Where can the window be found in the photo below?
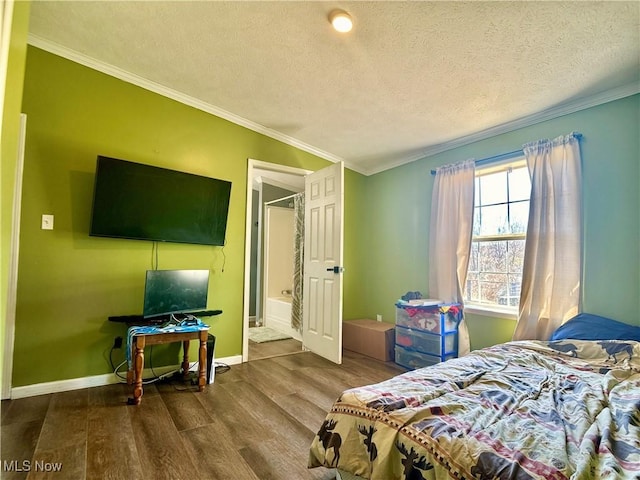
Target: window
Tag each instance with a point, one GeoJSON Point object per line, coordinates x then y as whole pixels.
{"type": "Point", "coordinates": [499, 229]}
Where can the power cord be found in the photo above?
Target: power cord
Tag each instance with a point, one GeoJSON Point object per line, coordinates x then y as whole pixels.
{"type": "Point", "coordinates": [147, 381]}
{"type": "Point", "coordinates": [113, 367]}
{"type": "Point", "coordinates": [151, 363]}
{"type": "Point", "coordinates": [154, 255]}
{"type": "Point", "coordinates": [221, 368]}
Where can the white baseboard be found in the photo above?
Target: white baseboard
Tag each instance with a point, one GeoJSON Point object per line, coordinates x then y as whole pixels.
{"type": "Point", "coordinates": [98, 380]}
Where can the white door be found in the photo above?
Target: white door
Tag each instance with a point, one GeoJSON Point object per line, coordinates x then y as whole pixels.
{"type": "Point", "coordinates": [323, 242]}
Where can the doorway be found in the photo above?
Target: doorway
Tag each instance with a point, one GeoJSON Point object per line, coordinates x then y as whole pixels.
{"type": "Point", "coordinates": [268, 198]}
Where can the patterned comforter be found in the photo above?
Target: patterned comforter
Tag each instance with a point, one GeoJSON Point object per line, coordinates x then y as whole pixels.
{"type": "Point", "coordinates": [520, 410]}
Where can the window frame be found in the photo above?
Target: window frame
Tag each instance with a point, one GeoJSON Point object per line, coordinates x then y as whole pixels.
{"type": "Point", "coordinates": [491, 309]}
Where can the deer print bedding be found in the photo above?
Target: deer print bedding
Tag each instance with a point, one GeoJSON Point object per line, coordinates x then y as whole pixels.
{"type": "Point", "coordinates": [521, 410]}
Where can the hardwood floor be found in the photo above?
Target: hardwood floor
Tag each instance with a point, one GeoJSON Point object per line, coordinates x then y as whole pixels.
{"type": "Point", "coordinates": [255, 422]}
{"type": "Point", "coordinates": [258, 351]}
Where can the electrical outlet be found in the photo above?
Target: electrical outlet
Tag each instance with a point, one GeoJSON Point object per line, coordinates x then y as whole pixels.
{"type": "Point", "coordinates": [379, 317]}
{"type": "Point", "coordinates": [47, 222]}
{"type": "Point", "coordinates": [117, 343]}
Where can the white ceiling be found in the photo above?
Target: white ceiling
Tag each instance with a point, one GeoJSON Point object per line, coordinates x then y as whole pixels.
{"type": "Point", "coordinates": [411, 79]}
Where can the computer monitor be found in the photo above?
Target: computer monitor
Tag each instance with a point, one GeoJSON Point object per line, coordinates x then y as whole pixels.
{"type": "Point", "coordinates": [175, 291]}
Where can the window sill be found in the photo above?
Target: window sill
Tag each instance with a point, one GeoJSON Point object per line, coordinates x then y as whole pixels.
{"type": "Point", "coordinates": [491, 311]}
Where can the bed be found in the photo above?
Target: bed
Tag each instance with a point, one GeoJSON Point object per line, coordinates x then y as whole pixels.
{"type": "Point", "coordinates": [561, 409]}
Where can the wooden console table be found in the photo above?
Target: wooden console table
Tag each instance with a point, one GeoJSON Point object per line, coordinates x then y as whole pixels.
{"type": "Point", "coordinates": [140, 340]}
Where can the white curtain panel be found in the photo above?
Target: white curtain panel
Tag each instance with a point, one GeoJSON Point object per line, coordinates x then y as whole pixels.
{"type": "Point", "coordinates": [551, 274]}
{"type": "Point", "coordinates": [450, 233]}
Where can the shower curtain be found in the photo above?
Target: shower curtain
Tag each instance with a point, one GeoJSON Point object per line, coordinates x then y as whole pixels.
{"type": "Point", "coordinates": [298, 262]}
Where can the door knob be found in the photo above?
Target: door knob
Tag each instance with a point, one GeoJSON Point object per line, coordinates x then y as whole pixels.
{"type": "Point", "coordinates": [336, 269]}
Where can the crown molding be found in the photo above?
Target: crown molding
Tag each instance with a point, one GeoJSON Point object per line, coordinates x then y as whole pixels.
{"type": "Point", "coordinates": [547, 114]}
{"type": "Point", "coordinates": [544, 115]}
{"type": "Point", "coordinates": [154, 87]}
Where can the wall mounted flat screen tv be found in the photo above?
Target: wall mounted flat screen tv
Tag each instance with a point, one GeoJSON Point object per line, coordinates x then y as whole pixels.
{"type": "Point", "coordinates": [143, 202]}
{"type": "Point", "coordinates": [175, 291]}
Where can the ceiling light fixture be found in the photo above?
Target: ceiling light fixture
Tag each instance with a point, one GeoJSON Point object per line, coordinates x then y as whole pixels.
{"type": "Point", "coordinates": [341, 21]}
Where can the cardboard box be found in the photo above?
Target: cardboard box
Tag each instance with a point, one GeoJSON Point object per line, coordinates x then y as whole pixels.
{"type": "Point", "coordinates": [370, 338]}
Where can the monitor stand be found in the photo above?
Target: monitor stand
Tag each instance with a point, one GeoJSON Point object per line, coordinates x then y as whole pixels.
{"type": "Point", "coordinates": [141, 320]}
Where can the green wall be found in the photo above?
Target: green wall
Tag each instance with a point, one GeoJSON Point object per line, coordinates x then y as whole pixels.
{"type": "Point", "coordinates": [69, 283]}
{"type": "Point", "coordinates": [9, 146]}
{"type": "Point", "coordinates": [355, 246]}
{"type": "Point", "coordinates": [398, 201]}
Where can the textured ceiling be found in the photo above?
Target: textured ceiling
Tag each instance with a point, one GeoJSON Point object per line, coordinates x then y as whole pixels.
{"type": "Point", "coordinates": [410, 78]}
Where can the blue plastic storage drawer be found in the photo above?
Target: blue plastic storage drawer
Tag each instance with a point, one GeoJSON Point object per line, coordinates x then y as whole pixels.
{"type": "Point", "coordinates": [411, 359]}
{"type": "Point", "coordinates": [426, 342]}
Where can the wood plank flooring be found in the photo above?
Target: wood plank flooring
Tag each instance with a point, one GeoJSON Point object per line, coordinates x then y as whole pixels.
{"type": "Point", "coordinates": [255, 422]}
{"type": "Point", "coordinates": [258, 351]}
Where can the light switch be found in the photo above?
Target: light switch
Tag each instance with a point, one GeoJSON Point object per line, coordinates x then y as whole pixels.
{"type": "Point", "coordinates": [47, 222]}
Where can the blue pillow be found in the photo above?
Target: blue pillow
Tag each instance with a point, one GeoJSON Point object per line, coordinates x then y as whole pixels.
{"type": "Point", "coordinates": [586, 326]}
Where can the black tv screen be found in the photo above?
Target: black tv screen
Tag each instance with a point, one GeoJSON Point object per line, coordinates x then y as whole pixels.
{"type": "Point", "coordinates": [143, 202]}
{"type": "Point", "coordinates": [175, 291]}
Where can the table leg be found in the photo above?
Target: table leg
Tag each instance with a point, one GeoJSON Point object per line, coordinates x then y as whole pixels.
{"type": "Point", "coordinates": [139, 342]}
{"type": "Point", "coordinates": [202, 360]}
{"type": "Point", "coordinates": [185, 359]}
